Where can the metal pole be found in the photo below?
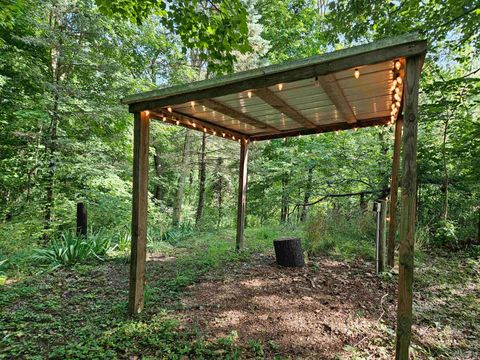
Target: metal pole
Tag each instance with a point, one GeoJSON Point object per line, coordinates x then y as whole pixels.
{"type": "Point", "coordinates": [376, 209]}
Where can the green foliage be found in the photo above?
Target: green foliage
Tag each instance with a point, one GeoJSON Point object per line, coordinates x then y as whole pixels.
{"type": "Point", "coordinates": [446, 233]}
{"type": "Point", "coordinates": [71, 249]}
{"type": "Point", "coordinates": [176, 234]}
{"type": "Point", "coordinates": [347, 235]}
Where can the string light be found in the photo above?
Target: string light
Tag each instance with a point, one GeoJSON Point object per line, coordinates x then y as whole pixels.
{"type": "Point", "coordinates": [192, 103]}
{"type": "Point", "coordinates": [249, 94]}
{"type": "Point", "coordinates": [178, 122]}
{"type": "Point", "coordinates": [214, 132]}
{"type": "Point", "coordinates": [147, 113]}
{"type": "Point", "coordinates": [254, 142]}
{"type": "Point", "coordinates": [233, 137]}
{"type": "Point", "coordinates": [336, 132]}
{"type": "Point", "coordinates": [223, 134]}
{"type": "Point", "coordinates": [164, 119]}
{"type": "Point", "coordinates": [280, 87]}
{"type": "Point", "coordinates": [397, 90]}
{"type": "Point", "coordinates": [399, 80]}
{"type": "Point", "coordinates": [398, 104]}
{"type": "Point", "coordinates": [356, 73]}
{"type": "Point", "coordinates": [246, 140]}
{"type": "Point", "coordinates": [194, 125]}
{"type": "Point", "coordinates": [204, 130]}
{"type": "Point", "coordinates": [169, 109]}
{"type": "Point", "coordinates": [397, 97]}
{"type": "Point", "coordinates": [398, 65]}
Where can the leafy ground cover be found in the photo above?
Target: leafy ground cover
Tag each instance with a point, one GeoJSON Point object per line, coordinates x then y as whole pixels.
{"type": "Point", "coordinates": [203, 300]}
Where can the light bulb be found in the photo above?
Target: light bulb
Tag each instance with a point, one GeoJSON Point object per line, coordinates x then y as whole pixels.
{"type": "Point", "coordinates": [355, 129]}
{"type": "Point", "coordinates": [194, 125]}
{"type": "Point", "coordinates": [214, 132]}
{"type": "Point", "coordinates": [249, 94]}
{"type": "Point", "coordinates": [147, 112]}
{"type": "Point", "coordinates": [204, 130]}
{"type": "Point", "coordinates": [398, 65]}
{"type": "Point", "coordinates": [397, 97]}
{"type": "Point", "coordinates": [399, 80]}
{"type": "Point", "coordinates": [356, 73]}
{"type": "Point", "coordinates": [164, 119]}
{"type": "Point", "coordinates": [169, 109]}
{"type": "Point", "coordinates": [398, 104]}
{"type": "Point", "coordinates": [178, 122]}
{"type": "Point", "coordinates": [336, 132]}
{"type": "Point", "coordinates": [393, 106]}
{"type": "Point", "coordinates": [192, 103]}
{"type": "Point", "coordinates": [233, 137]}
{"type": "Point", "coordinates": [223, 134]}
{"type": "Point", "coordinates": [280, 87]}
{"type": "Point", "coordinates": [397, 90]}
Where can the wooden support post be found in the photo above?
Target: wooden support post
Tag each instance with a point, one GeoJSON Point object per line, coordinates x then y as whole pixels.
{"type": "Point", "coordinates": [408, 207]}
{"type": "Point", "coordinates": [394, 193]}
{"type": "Point", "coordinates": [242, 193]}
{"type": "Point", "coordinates": [81, 220]}
{"type": "Point", "coordinates": [141, 137]}
{"type": "Point", "coordinates": [382, 236]}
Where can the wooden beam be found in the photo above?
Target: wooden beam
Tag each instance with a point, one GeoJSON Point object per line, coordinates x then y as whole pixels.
{"type": "Point", "coordinates": [141, 136]}
{"type": "Point", "coordinates": [324, 128]}
{"type": "Point", "coordinates": [394, 193]}
{"type": "Point", "coordinates": [187, 121]}
{"type": "Point", "coordinates": [237, 115]}
{"type": "Point", "coordinates": [335, 93]}
{"type": "Point", "coordinates": [242, 193]}
{"type": "Point", "coordinates": [408, 206]}
{"type": "Point", "coordinates": [367, 54]}
{"type": "Point", "coordinates": [382, 232]}
{"type": "Point", "coordinates": [281, 105]}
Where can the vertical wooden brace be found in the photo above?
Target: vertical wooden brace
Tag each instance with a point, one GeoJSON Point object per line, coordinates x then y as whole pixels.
{"type": "Point", "coordinates": [242, 193]}
{"type": "Point", "coordinates": [408, 208]}
{"type": "Point", "coordinates": [141, 137]}
{"type": "Point", "coordinates": [382, 232]}
{"type": "Point", "coordinates": [394, 193]}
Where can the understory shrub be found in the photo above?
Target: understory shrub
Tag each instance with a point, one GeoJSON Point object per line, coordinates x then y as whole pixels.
{"type": "Point", "coordinates": [178, 233]}
{"type": "Point", "coordinates": [70, 249]}
{"type": "Point", "coordinates": [347, 234]}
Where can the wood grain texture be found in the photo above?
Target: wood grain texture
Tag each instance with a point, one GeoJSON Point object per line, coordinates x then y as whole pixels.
{"type": "Point", "coordinates": [242, 194]}
{"type": "Point", "coordinates": [138, 255]}
{"type": "Point", "coordinates": [281, 105]}
{"type": "Point", "coordinates": [334, 92]}
{"type": "Point", "coordinates": [408, 206]}
{"type": "Point", "coordinates": [394, 193]}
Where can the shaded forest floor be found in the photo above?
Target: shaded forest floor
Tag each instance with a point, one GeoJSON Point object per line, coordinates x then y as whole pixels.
{"type": "Point", "coordinates": [205, 301]}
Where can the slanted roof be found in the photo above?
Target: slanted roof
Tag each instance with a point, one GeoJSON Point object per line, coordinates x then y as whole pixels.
{"type": "Point", "coordinates": [317, 94]}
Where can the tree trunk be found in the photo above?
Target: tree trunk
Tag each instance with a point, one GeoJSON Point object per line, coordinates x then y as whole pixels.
{"type": "Point", "coordinates": [445, 172]}
{"type": "Point", "coordinates": [284, 209]}
{"type": "Point", "coordinates": [288, 252]}
{"type": "Point", "coordinates": [177, 207]}
{"type": "Point", "coordinates": [157, 191]}
{"type": "Point", "coordinates": [202, 175]}
{"type": "Point", "coordinates": [308, 193]}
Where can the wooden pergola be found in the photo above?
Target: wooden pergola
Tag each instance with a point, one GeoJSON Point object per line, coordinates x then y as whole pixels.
{"type": "Point", "coordinates": [368, 85]}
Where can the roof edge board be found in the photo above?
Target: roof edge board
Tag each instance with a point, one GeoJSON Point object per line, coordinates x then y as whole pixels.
{"type": "Point", "coordinates": [371, 53]}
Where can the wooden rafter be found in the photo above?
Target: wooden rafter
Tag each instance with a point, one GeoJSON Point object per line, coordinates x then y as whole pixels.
{"type": "Point", "coordinates": [187, 121]}
{"type": "Point", "coordinates": [237, 115]}
{"type": "Point", "coordinates": [324, 128]}
{"type": "Point", "coordinates": [334, 92]}
{"type": "Point", "coordinates": [281, 105]}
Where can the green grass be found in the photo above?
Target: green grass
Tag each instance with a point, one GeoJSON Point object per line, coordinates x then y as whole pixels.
{"type": "Point", "coordinates": [77, 311]}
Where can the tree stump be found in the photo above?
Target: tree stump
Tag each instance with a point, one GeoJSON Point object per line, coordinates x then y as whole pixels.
{"type": "Point", "coordinates": [289, 252]}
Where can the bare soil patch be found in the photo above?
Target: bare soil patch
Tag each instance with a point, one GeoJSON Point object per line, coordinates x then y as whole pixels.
{"type": "Point", "coordinates": [327, 310]}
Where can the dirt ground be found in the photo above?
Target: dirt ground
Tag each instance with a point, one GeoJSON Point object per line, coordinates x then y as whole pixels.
{"type": "Point", "coordinates": [327, 310]}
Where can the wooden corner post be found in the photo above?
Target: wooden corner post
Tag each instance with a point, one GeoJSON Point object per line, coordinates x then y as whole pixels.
{"type": "Point", "coordinates": [394, 193]}
{"type": "Point", "coordinates": [141, 137]}
{"type": "Point", "coordinates": [408, 207]}
{"type": "Point", "coordinates": [242, 193]}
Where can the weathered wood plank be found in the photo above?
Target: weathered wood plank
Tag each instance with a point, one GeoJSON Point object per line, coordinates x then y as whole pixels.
{"type": "Point", "coordinates": [377, 121]}
{"type": "Point", "coordinates": [281, 105]}
{"type": "Point", "coordinates": [237, 115]}
{"type": "Point", "coordinates": [394, 193]}
{"type": "Point", "coordinates": [382, 236]}
{"type": "Point", "coordinates": [408, 207]}
{"type": "Point", "coordinates": [330, 86]}
{"type": "Point", "coordinates": [242, 193]}
{"type": "Point", "coordinates": [138, 255]}
{"type": "Point", "coordinates": [367, 54]}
